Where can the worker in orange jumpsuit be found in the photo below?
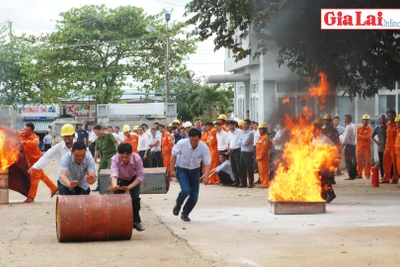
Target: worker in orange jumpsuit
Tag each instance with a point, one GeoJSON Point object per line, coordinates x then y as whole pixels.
{"type": "Point", "coordinates": [167, 142]}
{"type": "Point", "coordinates": [389, 155]}
{"type": "Point", "coordinates": [222, 120]}
{"type": "Point", "coordinates": [30, 145]}
{"type": "Point", "coordinates": [212, 144]}
{"type": "Point", "coordinates": [363, 152]}
{"type": "Point", "coordinates": [262, 155]}
{"type": "Point", "coordinates": [130, 138]}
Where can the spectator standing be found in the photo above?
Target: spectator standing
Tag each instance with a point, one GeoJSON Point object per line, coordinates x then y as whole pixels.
{"type": "Point", "coordinates": [155, 149]}
{"type": "Point", "coordinates": [378, 136]}
{"type": "Point", "coordinates": [349, 144]}
{"type": "Point", "coordinates": [234, 150]}
{"type": "Point", "coordinates": [82, 134]}
{"type": "Point", "coordinates": [247, 155]}
{"type": "Point", "coordinates": [47, 142]}
{"type": "Point", "coordinates": [143, 148]}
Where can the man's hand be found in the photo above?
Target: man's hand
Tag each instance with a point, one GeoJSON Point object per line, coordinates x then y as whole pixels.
{"type": "Point", "coordinates": [124, 188]}
{"type": "Point", "coordinates": [73, 183]}
{"type": "Point", "coordinates": [203, 179]}
{"type": "Point", "coordinates": [114, 187]}
{"type": "Point", "coordinates": [31, 169]}
{"type": "Point", "coordinates": [90, 179]}
{"type": "Point", "coordinates": [145, 156]}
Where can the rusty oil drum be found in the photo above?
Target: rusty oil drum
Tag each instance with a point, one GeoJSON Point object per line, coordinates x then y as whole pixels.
{"type": "Point", "coordinates": [94, 217]}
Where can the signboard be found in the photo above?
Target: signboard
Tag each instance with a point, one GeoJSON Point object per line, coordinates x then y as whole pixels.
{"type": "Point", "coordinates": [27, 110]}
{"type": "Point", "coordinates": [80, 110]}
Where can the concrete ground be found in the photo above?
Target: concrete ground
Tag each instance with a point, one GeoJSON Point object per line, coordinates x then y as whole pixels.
{"type": "Point", "coordinates": [229, 227]}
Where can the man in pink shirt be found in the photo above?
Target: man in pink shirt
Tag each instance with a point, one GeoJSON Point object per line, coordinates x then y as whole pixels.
{"type": "Point", "coordinates": [126, 175]}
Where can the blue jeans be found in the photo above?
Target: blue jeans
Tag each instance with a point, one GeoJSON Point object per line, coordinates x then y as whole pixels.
{"type": "Point", "coordinates": [190, 184]}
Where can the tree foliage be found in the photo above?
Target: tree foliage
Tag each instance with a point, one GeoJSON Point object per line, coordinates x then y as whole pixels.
{"type": "Point", "coordinates": [195, 100]}
{"type": "Point", "coordinates": [94, 51]}
{"type": "Point", "coordinates": [361, 62]}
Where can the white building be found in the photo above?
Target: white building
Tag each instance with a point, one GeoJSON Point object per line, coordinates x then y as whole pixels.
{"type": "Point", "coordinates": [261, 85]}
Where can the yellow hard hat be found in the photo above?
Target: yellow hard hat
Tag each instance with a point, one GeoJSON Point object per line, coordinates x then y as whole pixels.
{"type": "Point", "coordinates": [214, 122]}
{"type": "Point", "coordinates": [221, 117]}
{"type": "Point", "coordinates": [366, 117]}
{"type": "Point", "coordinates": [328, 117]}
{"type": "Point", "coordinates": [240, 122]}
{"type": "Point", "coordinates": [262, 125]}
{"type": "Point", "coordinates": [397, 119]}
{"type": "Point", "coordinates": [67, 129]}
{"type": "Point", "coordinates": [170, 125]}
{"type": "Point", "coordinates": [136, 127]}
{"type": "Point", "coordinates": [126, 128]}
{"type": "Point", "coordinates": [319, 122]}
{"type": "Point", "coordinates": [176, 121]}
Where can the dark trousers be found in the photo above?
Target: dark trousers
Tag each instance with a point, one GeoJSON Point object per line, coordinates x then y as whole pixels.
{"type": "Point", "coordinates": [327, 179]}
{"type": "Point", "coordinates": [146, 162]}
{"type": "Point", "coordinates": [255, 167]}
{"type": "Point", "coordinates": [46, 147]}
{"type": "Point", "coordinates": [189, 181]}
{"type": "Point", "coordinates": [351, 161]}
{"type": "Point", "coordinates": [380, 154]}
{"type": "Point", "coordinates": [225, 178]}
{"type": "Point", "coordinates": [66, 191]}
{"type": "Point", "coordinates": [235, 163]}
{"type": "Point", "coordinates": [92, 147]}
{"type": "Point", "coordinates": [246, 167]}
{"type": "Point", "coordinates": [134, 192]}
{"type": "Point", "coordinates": [156, 159]}
{"type": "Point", "coordinates": [276, 159]}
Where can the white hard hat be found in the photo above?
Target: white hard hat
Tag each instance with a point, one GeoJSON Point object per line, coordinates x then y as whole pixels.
{"type": "Point", "coordinates": [236, 119]}
{"type": "Point", "coordinates": [188, 124]}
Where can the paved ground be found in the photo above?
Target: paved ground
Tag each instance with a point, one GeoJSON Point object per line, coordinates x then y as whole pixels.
{"type": "Point", "coordinates": [230, 227]}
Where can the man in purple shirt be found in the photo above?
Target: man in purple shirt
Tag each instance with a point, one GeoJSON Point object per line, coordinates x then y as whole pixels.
{"type": "Point", "coordinates": [126, 175]}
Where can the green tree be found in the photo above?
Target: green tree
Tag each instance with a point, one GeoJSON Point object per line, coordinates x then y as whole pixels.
{"type": "Point", "coordinates": [362, 62]}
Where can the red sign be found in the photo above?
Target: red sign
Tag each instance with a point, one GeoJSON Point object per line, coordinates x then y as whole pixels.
{"type": "Point", "coordinates": [80, 110]}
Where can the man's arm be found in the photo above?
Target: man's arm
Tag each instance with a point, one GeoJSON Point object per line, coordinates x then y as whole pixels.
{"type": "Point", "coordinates": [173, 162]}
{"type": "Point", "coordinates": [249, 139]}
{"type": "Point", "coordinates": [45, 159]}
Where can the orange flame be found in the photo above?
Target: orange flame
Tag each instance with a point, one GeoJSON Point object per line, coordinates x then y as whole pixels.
{"type": "Point", "coordinates": [286, 100]}
{"type": "Point", "coordinates": [9, 152]}
{"type": "Point", "coordinates": [320, 91]}
{"type": "Point", "coordinates": [298, 175]}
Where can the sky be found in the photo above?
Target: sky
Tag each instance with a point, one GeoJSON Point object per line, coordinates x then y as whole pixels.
{"type": "Point", "coordinates": [38, 16]}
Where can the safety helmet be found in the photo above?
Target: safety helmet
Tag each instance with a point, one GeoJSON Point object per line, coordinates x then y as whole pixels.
{"type": "Point", "coordinates": [262, 125]}
{"type": "Point", "coordinates": [366, 117]}
{"type": "Point", "coordinates": [328, 117]}
{"type": "Point", "coordinates": [170, 125]}
{"type": "Point", "coordinates": [318, 122]}
{"type": "Point", "coordinates": [67, 129]}
{"type": "Point", "coordinates": [236, 119]}
{"type": "Point", "coordinates": [221, 117]}
{"type": "Point", "coordinates": [136, 127]}
{"type": "Point", "coordinates": [240, 123]}
{"type": "Point", "coordinates": [188, 124]}
{"type": "Point", "coordinates": [126, 128]}
{"type": "Point", "coordinates": [397, 119]}
{"type": "Point", "coordinates": [176, 121]}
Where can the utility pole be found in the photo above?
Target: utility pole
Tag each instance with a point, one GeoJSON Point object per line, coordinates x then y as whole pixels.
{"type": "Point", "coordinates": [167, 18]}
{"type": "Point", "coordinates": [10, 35]}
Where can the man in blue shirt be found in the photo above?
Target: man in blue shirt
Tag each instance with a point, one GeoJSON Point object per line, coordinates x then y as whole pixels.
{"type": "Point", "coordinates": [82, 134]}
{"type": "Point", "coordinates": [246, 142]}
{"type": "Point", "coordinates": [78, 171]}
{"type": "Point", "coordinates": [187, 156]}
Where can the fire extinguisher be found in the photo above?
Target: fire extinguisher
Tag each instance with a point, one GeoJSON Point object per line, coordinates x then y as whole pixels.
{"type": "Point", "coordinates": [375, 176]}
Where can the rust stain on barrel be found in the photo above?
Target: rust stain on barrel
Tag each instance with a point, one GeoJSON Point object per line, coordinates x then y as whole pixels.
{"type": "Point", "coordinates": [94, 217]}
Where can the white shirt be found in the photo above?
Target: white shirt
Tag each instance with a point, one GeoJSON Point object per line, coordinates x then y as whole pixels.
{"type": "Point", "coordinates": [143, 143]}
{"type": "Point", "coordinates": [324, 140]}
{"type": "Point", "coordinates": [256, 136]}
{"type": "Point", "coordinates": [222, 140]}
{"type": "Point", "coordinates": [226, 167]}
{"type": "Point", "coordinates": [54, 153]}
{"type": "Point", "coordinates": [233, 138]}
{"type": "Point", "coordinates": [152, 141]}
{"type": "Point", "coordinates": [189, 158]}
{"type": "Point", "coordinates": [281, 139]}
{"type": "Point", "coordinates": [349, 136]}
{"type": "Point", "coordinates": [121, 135]}
{"type": "Point", "coordinates": [148, 133]}
{"type": "Point", "coordinates": [118, 137]}
{"type": "Point", "coordinates": [92, 137]}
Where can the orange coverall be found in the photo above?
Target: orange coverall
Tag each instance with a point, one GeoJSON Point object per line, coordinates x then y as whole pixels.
{"type": "Point", "coordinates": [389, 155]}
{"type": "Point", "coordinates": [363, 152]}
{"type": "Point", "coordinates": [167, 142]}
{"type": "Point", "coordinates": [133, 139]}
{"type": "Point", "coordinates": [213, 146]}
{"type": "Point", "coordinates": [262, 157]}
{"type": "Point", "coordinates": [33, 154]}
{"type": "Point", "coordinates": [223, 127]}
{"type": "Point", "coordinates": [397, 149]}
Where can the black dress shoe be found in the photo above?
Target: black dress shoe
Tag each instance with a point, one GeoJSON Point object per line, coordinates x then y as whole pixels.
{"type": "Point", "coordinates": [241, 186]}
{"type": "Point", "coordinates": [234, 185]}
{"type": "Point", "coordinates": [258, 182]}
{"type": "Point", "coordinates": [176, 210]}
{"type": "Point", "coordinates": [138, 226]}
{"type": "Point", "coordinates": [185, 218]}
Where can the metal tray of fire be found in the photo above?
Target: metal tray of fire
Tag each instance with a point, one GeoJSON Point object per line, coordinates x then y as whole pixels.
{"type": "Point", "coordinates": [293, 207]}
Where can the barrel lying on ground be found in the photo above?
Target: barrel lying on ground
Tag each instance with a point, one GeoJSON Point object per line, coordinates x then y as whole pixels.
{"type": "Point", "coordinates": [94, 217]}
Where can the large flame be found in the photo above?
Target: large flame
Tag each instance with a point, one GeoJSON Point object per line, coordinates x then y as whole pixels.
{"type": "Point", "coordinates": [9, 151]}
{"type": "Point", "coordinates": [298, 176]}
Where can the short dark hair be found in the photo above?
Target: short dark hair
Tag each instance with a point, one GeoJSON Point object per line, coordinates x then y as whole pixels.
{"type": "Point", "coordinates": [208, 123]}
{"type": "Point", "coordinates": [161, 125]}
{"type": "Point", "coordinates": [144, 125]}
{"type": "Point", "coordinates": [98, 127]}
{"type": "Point", "coordinates": [78, 145]}
{"type": "Point", "coordinates": [30, 125]}
{"type": "Point", "coordinates": [247, 121]}
{"type": "Point", "coordinates": [156, 123]}
{"type": "Point", "coordinates": [223, 154]}
{"type": "Point", "coordinates": [194, 132]}
{"type": "Point", "coordinates": [124, 148]}
{"type": "Point", "coordinates": [217, 123]}
{"type": "Point", "coordinates": [336, 117]}
{"type": "Point", "coordinates": [230, 122]}
{"type": "Point", "coordinates": [174, 128]}
{"type": "Point", "coordinates": [116, 127]}
{"type": "Point", "coordinates": [391, 111]}
{"type": "Point", "coordinates": [79, 124]}
{"type": "Point", "coordinates": [349, 117]}
{"type": "Point", "coordinates": [153, 129]}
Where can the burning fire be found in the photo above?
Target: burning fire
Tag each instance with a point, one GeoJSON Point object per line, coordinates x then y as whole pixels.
{"type": "Point", "coordinates": [297, 177]}
{"type": "Point", "coordinates": [286, 100]}
{"type": "Point", "coordinates": [9, 152]}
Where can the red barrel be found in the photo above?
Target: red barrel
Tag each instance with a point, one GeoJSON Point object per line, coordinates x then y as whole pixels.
{"type": "Point", "coordinates": [375, 176]}
{"type": "Point", "coordinates": [94, 217]}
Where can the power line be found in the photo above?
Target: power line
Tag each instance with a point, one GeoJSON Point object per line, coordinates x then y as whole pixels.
{"type": "Point", "coordinates": [165, 2]}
